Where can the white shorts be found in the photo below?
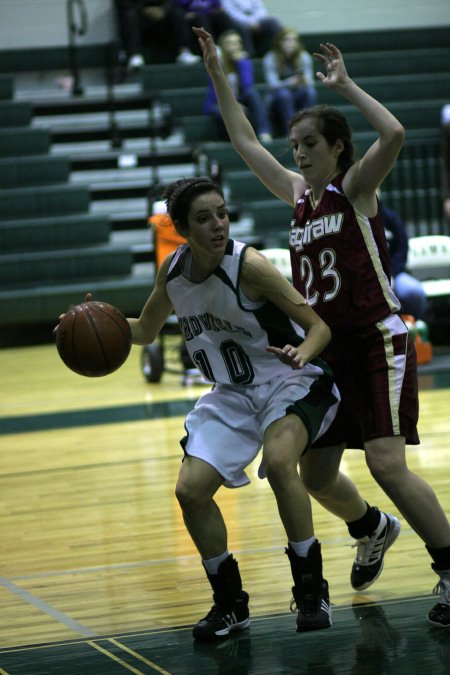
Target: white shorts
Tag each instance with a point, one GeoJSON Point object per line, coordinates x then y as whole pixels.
{"type": "Point", "coordinates": [226, 428]}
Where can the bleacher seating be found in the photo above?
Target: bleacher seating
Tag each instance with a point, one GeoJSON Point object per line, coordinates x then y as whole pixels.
{"type": "Point", "coordinates": [52, 248]}
{"type": "Point", "coordinates": [54, 208]}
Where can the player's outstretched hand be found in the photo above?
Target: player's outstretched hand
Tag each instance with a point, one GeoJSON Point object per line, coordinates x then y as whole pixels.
{"type": "Point", "coordinates": [289, 355]}
{"type": "Point", "coordinates": [208, 47]}
{"type": "Point", "coordinates": [87, 298]}
{"type": "Point", "coordinates": [336, 73]}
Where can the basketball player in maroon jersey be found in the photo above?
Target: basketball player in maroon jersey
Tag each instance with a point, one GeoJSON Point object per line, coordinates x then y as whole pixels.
{"type": "Point", "coordinates": [340, 264]}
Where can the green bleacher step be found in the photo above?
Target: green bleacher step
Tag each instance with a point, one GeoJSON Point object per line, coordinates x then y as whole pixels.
{"type": "Point", "coordinates": [189, 101]}
{"type": "Point", "coordinates": [412, 114]}
{"type": "Point", "coordinates": [229, 160]}
{"type": "Point", "coordinates": [172, 76]}
{"type": "Point", "coordinates": [374, 41]}
{"type": "Point", "coordinates": [34, 170]}
{"type": "Point", "coordinates": [6, 87]}
{"type": "Point", "coordinates": [17, 141]}
{"type": "Point", "coordinates": [56, 232]}
{"type": "Point", "coordinates": [199, 128]}
{"type": "Point", "coordinates": [48, 267]}
{"type": "Point", "coordinates": [270, 215]}
{"type": "Point", "coordinates": [185, 101]}
{"type": "Point", "coordinates": [420, 87]}
{"type": "Point", "coordinates": [43, 304]}
{"type": "Point", "coordinates": [398, 62]}
{"type": "Point", "coordinates": [245, 187]}
{"type": "Point", "coordinates": [15, 113]}
{"type": "Point", "coordinates": [33, 202]}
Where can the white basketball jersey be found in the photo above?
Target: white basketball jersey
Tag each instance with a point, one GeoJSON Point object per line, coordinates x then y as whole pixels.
{"type": "Point", "coordinates": [226, 334]}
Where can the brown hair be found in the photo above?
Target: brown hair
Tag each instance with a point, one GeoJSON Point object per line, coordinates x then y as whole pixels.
{"type": "Point", "coordinates": [333, 126]}
{"type": "Point", "coordinates": [180, 195]}
{"type": "Point", "coordinates": [280, 56]}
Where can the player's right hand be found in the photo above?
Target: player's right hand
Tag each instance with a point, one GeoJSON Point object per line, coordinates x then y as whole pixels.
{"type": "Point", "coordinates": [87, 298]}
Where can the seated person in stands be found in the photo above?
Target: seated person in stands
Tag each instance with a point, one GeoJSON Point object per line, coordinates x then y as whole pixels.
{"type": "Point", "coordinates": [408, 290]}
{"type": "Point", "coordinates": [288, 72]}
{"type": "Point", "coordinates": [238, 68]}
{"type": "Point", "coordinates": [159, 23]}
{"type": "Point", "coordinates": [254, 23]}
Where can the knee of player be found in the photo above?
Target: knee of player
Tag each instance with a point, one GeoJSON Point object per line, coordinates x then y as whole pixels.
{"type": "Point", "coordinates": [188, 496]}
{"type": "Point", "coordinates": [317, 484]}
{"type": "Point", "coordinates": [386, 461]}
{"type": "Point", "coordinates": [280, 468]}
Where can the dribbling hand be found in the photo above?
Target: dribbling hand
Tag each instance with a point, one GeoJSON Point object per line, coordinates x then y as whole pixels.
{"type": "Point", "coordinates": [87, 298]}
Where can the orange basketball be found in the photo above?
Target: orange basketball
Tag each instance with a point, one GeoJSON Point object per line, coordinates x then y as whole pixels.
{"type": "Point", "coordinates": [93, 339]}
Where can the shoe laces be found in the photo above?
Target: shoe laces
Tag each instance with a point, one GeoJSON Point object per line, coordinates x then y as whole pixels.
{"type": "Point", "coordinates": [369, 549]}
{"type": "Point", "coordinates": [442, 589]}
{"type": "Point", "coordinates": [307, 605]}
{"type": "Point", "coordinates": [214, 613]}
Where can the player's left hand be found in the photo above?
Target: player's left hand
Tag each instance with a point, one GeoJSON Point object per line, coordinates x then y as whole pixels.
{"type": "Point", "coordinates": [289, 355]}
{"type": "Point", "coordinates": [333, 61]}
{"type": "Point", "coordinates": [208, 47]}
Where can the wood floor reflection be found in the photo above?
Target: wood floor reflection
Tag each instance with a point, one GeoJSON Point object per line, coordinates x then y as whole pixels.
{"type": "Point", "coordinates": [92, 540]}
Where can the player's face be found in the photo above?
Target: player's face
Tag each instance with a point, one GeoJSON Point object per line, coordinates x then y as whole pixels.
{"type": "Point", "coordinates": [209, 225]}
{"type": "Point", "coordinates": [317, 161]}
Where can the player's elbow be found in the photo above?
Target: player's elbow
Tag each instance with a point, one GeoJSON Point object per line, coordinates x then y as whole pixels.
{"type": "Point", "coordinates": [322, 333]}
{"type": "Point", "coordinates": [396, 136]}
{"type": "Point", "coordinates": [326, 333]}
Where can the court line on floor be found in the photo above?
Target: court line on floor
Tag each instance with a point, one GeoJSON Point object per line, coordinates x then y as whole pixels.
{"type": "Point", "coordinates": [136, 412]}
{"type": "Point", "coordinates": [47, 609]}
{"type": "Point", "coordinates": [115, 658]}
{"type": "Point", "coordinates": [138, 656]}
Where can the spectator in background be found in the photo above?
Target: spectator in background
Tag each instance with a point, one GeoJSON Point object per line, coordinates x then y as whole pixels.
{"type": "Point", "coordinates": [256, 27]}
{"type": "Point", "coordinates": [207, 13]}
{"type": "Point", "coordinates": [445, 169]}
{"type": "Point", "coordinates": [288, 72]}
{"type": "Point", "coordinates": [159, 22]}
{"type": "Point", "coordinates": [408, 290]}
{"type": "Point", "coordinates": [238, 68]}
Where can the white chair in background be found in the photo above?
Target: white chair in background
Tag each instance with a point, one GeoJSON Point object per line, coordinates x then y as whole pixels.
{"type": "Point", "coordinates": [429, 261]}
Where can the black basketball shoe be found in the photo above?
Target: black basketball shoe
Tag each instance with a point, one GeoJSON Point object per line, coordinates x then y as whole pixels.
{"type": "Point", "coordinates": [369, 559]}
{"type": "Point", "coordinates": [220, 621]}
{"type": "Point", "coordinates": [230, 610]}
{"type": "Point", "coordinates": [439, 615]}
{"type": "Point", "coordinates": [313, 605]}
{"type": "Point", "coordinates": [311, 597]}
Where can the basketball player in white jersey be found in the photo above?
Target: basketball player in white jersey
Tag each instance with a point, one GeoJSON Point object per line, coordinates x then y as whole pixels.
{"type": "Point", "coordinates": [257, 341]}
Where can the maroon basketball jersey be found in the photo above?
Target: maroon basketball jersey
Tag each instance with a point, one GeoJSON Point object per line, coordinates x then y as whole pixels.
{"type": "Point", "coordinates": [340, 260]}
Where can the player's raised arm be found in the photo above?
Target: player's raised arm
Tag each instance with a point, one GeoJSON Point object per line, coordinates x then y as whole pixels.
{"type": "Point", "coordinates": [368, 173]}
{"type": "Point", "coordinates": [284, 183]}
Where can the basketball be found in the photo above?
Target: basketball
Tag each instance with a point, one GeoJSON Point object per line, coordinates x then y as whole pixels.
{"type": "Point", "coordinates": [93, 339]}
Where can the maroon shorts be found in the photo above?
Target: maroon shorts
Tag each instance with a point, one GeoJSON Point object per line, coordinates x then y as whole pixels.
{"type": "Point", "coordinates": [376, 373]}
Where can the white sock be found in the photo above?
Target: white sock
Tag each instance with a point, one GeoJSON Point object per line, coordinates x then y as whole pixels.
{"type": "Point", "coordinates": [212, 564]}
{"type": "Point", "coordinates": [301, 548]}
